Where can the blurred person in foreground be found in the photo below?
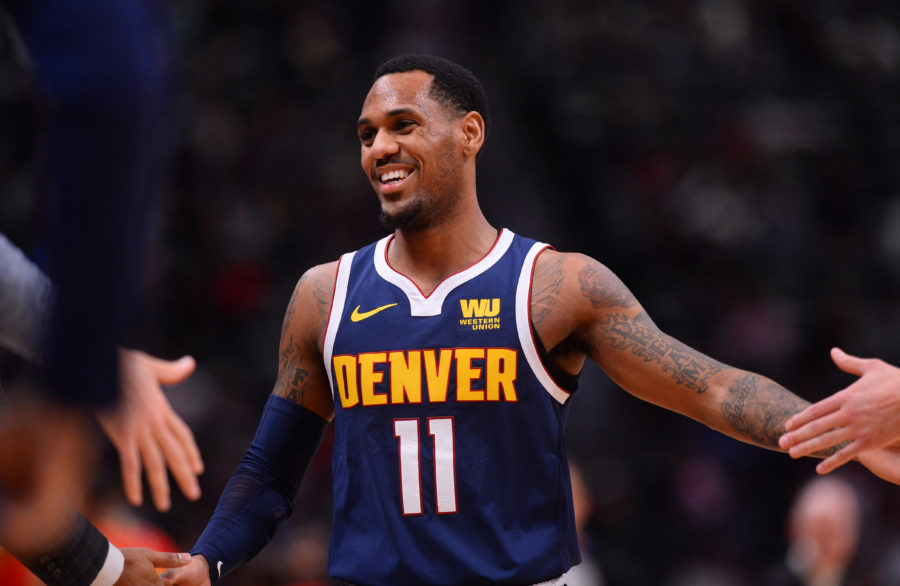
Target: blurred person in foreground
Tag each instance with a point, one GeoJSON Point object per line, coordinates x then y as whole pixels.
{"type": "Point", "coordinates": [864, 416]}
{"type": "Point", "coordinates": [823, 533]}
{"type": "Point", "coordinates": [447, 354]}
{"type": "Point", "coordinates": [145, 430]}
{"type": "Point", "coordinates": [99, 70]}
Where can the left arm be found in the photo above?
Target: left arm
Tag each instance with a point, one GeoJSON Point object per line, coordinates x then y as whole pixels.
{"type": "Point", "coordinates": [603, 320]}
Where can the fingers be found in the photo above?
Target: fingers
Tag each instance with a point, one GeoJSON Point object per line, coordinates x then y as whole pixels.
{"type": "Point", "coordinates": [171, 372]}
{"type": "Point", "coordinates": [820, 443]}
{"type": "Point", "coordinates": [161, 559]}
{"type": "Point", "coordinates": [179, 458]}
{"type": "Point", "coordinates": [130, 461]}
{"type": "Point", "coordinates": [848, 363]}
{"type": "Point", "coordinates": [838, 459]}
{"type": "Point", "coordinates": [810, 428]}
{"type": "Point", "coordinates": [814, 411]}
{"type": "Point", "coordinates": [155, 468]}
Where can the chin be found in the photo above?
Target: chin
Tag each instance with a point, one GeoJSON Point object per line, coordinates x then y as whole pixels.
{"type": "Point", "coordinates": [407, 218]}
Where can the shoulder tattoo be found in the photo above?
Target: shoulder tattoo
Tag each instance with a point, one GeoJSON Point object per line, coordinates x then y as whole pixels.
{"type": "Point", "coordinates": [601, 291]}
{"type": "Point", "coordinates": [545, 288]}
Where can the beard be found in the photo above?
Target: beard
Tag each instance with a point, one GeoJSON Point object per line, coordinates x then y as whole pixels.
{"type": "Point", "coordinates": [409, 218]}
{"type": "Point", "coordinates": [422, 212]}
{"type": "Point", "coordinates": [430, 205]}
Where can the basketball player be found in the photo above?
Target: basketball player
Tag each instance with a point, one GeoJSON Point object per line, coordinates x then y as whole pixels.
{"type": "Point", "coordinates": [447, 355]}
{"type": "Point", "coordinates": [862, 417]}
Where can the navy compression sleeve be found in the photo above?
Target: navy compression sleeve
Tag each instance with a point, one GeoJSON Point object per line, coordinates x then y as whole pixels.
{"type": "Point", "coordinates": [260, 495]}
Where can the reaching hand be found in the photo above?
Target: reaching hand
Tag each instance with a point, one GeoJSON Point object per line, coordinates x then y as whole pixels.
{"type": "Point", "coordinates": [144, 428]}
{"type": "Point", "coordinates": [195, 573]}
{"type": "Point", "coordinates": [141, 564]}
{"type": "Point", "coordinates": [866, 414]}
{"type": "Point", "coordinates": [884, 463]}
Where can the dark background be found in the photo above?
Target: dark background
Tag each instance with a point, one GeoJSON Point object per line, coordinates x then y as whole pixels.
{"type": "Point", "coordinates": [735, 162]}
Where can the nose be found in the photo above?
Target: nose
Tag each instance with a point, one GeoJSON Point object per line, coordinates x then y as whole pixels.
{"type": "Point", "coordinates": [383, 145]}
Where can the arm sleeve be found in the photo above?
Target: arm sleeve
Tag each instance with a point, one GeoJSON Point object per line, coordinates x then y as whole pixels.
{"type": "Point", "coordinates": [259, 497]}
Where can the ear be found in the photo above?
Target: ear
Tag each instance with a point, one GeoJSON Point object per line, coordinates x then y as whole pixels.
{"type": "Point", "coordinates": [473, 131]}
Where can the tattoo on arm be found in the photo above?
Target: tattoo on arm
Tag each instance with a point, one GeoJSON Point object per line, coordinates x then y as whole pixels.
{"type": "Point", "coordinates": [546, 287]}
{"type": "Point", "coordinates": [604, 292]}
{"type": "Point", "coordinates": [757, 408]}
{"type": "Point", "coordinates": [291, 372]}
{"type": "Point", "coordinates": [639, 336]}
{"type": "Point", "coordinates": [323, 291]}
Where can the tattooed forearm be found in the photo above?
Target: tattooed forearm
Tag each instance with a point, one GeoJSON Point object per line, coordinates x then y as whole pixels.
{"type": "Point", "coordinates": [639, 336]}
{"type": "Point", "coordinates": [603, 292]}
{"type": "Point", "coordinates": [757, 408]}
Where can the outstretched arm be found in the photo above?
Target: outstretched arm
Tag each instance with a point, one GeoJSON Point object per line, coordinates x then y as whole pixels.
{"type": "Point", "coordinates": [611, 326]}
{"type": "Point", "coordinates": [260, 495]}
{"type": "Point", "coordinates": [864, 416]}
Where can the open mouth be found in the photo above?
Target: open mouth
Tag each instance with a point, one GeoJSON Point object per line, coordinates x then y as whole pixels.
{"type": "Point", "coordinates": [394, 176]}
{"type": "Point", "coordinates": [394, 179]}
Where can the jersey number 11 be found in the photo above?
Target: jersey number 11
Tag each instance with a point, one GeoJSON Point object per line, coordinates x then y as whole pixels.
{"type": "Point", "coordinates": [407, 433]}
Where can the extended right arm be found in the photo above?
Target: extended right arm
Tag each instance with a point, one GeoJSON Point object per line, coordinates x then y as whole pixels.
{"type": "Point", "coordinates": [260, 495]}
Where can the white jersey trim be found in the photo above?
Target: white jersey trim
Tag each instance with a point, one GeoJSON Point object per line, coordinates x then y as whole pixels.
{"type": "Point", "coordinates": [337, 310]}
{"type": "Point", "coordinates": [523, 325]}
{"type": "Point", "coordinates": [421, 305]}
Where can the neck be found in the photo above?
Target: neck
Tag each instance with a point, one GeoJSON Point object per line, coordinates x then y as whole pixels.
{"type": "Point", "coordinates": [430, 255]}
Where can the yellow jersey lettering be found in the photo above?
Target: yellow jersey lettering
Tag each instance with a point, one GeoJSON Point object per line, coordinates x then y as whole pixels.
{"type": "Point", "coordinates": [345, 377]}
{"type": "Point", "coordinates": [406, 376]}
{"type": "Point", "coordinates": [437, 373]}
{"type": "Point", "coordinates": [466, 373]}
{"type": "Point", "coordinates": [482, 374]}
{"type": "Point", "coordinates": [369, 377]}
{"type": "Point", "coordinates": [501, 371]}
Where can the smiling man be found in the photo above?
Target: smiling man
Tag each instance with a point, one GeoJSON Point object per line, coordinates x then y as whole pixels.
{"type": "Point", "coordinates": [449, 461]}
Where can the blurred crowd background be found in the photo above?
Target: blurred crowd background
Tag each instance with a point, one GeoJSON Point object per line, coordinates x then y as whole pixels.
{"type": "Point", "coordinates": [735, 162]}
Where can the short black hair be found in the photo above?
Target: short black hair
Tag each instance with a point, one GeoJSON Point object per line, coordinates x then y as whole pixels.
{"type": "Point", "coordinates": [453, 84]}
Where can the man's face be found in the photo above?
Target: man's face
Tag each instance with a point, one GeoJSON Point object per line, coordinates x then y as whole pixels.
{"type": "Point", "coordinates": [411, 151]}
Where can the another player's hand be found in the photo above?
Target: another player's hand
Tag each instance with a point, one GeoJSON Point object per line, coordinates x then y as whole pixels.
{"type": "Point", "coordinates": [195, 573]}
{"type": "Point", "coordinates": [145, 429]}
{"type": "Point", "coordinates": [141, 564]}
{"type": "Point", "coordinates": [884, 463]}
{"type": "Point", "coordinates": [866, 414]}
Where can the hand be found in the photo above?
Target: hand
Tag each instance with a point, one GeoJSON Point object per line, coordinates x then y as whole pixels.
{"type": "Point", "coordinates": [884, 463]}
{"type": "Point", "coordinates": [866, 414]}
{"type": "Point", "coordinates": [144, 428]}
{"type": "Point", "coordinates": [195, 573]}
{"type": "Point", "coordinates": [141, 564]}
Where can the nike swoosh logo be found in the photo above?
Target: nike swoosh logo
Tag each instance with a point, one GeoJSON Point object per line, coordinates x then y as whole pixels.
{"type": "Point", "coordinates": [219, 568]}
{"type": "Point", "coordinates": [357, 316]}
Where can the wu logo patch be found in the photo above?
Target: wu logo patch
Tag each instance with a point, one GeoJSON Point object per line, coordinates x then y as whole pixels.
{"type": "Point", "coordinates": [481, 314]}
{"type": "Point", "coordinates": [480, 307]}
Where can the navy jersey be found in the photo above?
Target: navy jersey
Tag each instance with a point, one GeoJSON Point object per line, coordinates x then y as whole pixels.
{"type": "Point", "coordinates": [449, 461]}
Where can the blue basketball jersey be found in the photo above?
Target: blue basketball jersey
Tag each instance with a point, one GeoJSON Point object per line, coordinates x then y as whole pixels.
{"type": "Point", "coordinates": [449, 461]}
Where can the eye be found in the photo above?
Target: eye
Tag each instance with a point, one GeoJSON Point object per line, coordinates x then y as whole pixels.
{"type": "Point", "coordinates": [366, 136]}
{"type": "Point", "coordinates": [405, 124]}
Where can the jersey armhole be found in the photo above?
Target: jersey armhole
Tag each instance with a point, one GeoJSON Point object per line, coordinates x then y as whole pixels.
{"type": "Point", "coordinates": [337, 310]}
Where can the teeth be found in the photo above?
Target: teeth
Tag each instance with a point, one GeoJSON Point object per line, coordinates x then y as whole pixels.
{"type": "Point", "coordinates": [390, 176]}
